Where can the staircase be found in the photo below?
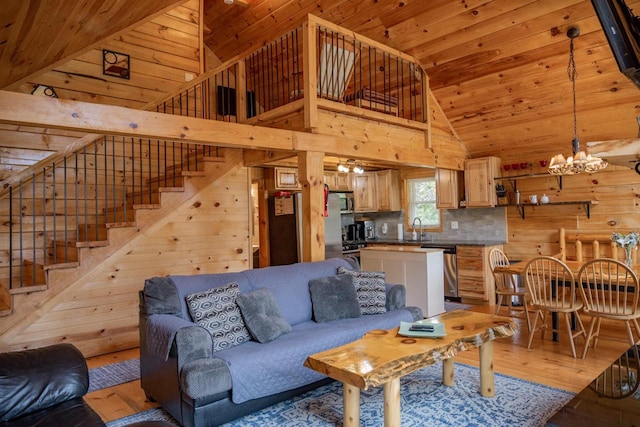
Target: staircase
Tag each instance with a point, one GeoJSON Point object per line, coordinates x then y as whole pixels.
{"type": "Point", "coordinates": [59, 217]}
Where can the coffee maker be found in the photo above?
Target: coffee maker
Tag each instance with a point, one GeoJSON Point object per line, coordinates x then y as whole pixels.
{"type": "Point", "coordinates": [367, 230]}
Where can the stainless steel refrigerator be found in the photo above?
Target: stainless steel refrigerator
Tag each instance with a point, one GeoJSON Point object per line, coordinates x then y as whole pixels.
{"type": "Point", "coordinates": [285, 229]}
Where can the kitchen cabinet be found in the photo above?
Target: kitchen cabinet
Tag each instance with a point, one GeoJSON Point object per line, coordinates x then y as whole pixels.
{"type": "Point", "coordinates": [475, 280]}
{"type": "Point", "coordinates": [420, 270]}
{"type": "Point", "coordinates": [479, 181]}
{"type": "Point", "coordinates": [337, 181]}
{"type": "Point", "coordinates": [388, 190]}
{"type": "Point", "coordinates": [376, 191]}
{"type": "Point", "coordinates": [364, 192]}
{"type": "Point", "coordinates": [449, 188]}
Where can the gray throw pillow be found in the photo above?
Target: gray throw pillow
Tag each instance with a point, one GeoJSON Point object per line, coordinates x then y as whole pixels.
{"type": "Point", "coordinates": [262, 315]}
{"type": "Point", "coordinates": [161, 297]}
{"type": "Point", "coordinates": [370, 288]}
{"type": "Point", "coordinates": [216, 311]}
{"type": "Point", "coordinates": [333, 298]}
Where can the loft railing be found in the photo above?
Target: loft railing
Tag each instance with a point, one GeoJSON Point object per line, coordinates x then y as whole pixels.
{"type": "Point", "coordinates": [346, 68]}
{"type": "Point", "coordinates": [70, 203]}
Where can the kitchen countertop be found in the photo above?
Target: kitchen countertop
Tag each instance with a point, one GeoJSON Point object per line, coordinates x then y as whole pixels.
{"type": "Point", "coordinates": [435, 242]}
{"type": "Point", "coordinates": [400, 248]}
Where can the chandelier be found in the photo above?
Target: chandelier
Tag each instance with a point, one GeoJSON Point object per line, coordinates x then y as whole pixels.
{"type": "Point", "coordinates": [350, 166]}
{"type": "Point", "coordinates": [580, 161]}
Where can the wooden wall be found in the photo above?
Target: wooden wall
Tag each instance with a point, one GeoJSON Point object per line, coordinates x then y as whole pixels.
{"type": "Point", "coordinates": [617, 190]}
{"type": "Point", "coordinates": [207, 233]}
{"type": "Point", "coordinates": [161, 52]}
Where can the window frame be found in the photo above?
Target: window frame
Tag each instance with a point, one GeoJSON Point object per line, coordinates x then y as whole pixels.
{"type": "Point", "coordinates": [409, 202]}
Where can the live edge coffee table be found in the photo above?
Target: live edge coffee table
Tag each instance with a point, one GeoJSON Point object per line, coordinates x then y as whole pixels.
{"type": "Point", "coordinates": [383, 357]}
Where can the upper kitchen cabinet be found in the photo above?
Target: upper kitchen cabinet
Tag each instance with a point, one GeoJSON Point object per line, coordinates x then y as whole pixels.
{"type": "Point", "coordinates": [388, 190]}
{"type": "Point", "coordinates": [449, 188]}
{"type": "Point", "coordinates": [376, 191]}
{"type": "Point", "coordinates": [479, 181]}
{"type": "Point", "coordinates": [364, 192]}
{"type": "Point", "coordinates": [337, 181]}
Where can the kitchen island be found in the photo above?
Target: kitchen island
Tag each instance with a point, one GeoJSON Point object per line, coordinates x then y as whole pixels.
{"type": "Point", "coordinates": [420, 270]}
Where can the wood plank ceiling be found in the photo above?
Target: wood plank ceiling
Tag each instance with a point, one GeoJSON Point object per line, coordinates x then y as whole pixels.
{"type": "Point", "coordinates": [498, 68]}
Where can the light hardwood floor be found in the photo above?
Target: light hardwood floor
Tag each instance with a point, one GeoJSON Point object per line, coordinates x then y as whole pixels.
{"type": "Point", "coordinates": [547, 362]}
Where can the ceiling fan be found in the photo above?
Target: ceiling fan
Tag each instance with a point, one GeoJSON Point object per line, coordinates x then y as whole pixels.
{"type": "Point", "coordinates": [620, 152]}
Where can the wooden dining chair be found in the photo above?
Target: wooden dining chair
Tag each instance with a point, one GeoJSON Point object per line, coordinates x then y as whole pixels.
{"type": "Point", "coordinates": [609, 290]}
{"type": "Point", "coordinates": [506, 285]}
{"type": "Point", "coordinates": [552, 289]}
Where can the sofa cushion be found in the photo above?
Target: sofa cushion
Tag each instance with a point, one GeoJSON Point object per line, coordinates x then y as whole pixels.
{"type": "Point", "coordinates": [161, 297]}
{"type": "Point", "coordinates": [333, 298]}
{"type": "Point", "coordinates": [290, 285]}
{"type": "Point", "coordinates": [216, 311]}
{"type": "Point", "coordinates": [370, 288]}
{"type": "Point", "coordinates": [262, 315]}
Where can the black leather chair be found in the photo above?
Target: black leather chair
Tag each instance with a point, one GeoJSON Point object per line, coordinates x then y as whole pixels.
{"type": "Point", "coordinates": [44, 387]}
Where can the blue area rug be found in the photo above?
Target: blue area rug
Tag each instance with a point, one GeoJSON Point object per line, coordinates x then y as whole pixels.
{"type": "Point", "coordinates": [114, 374]}
{"type": "Point", "coordinates": [450, 306]}
{"type": "Point", "coordinates": [425, 402]}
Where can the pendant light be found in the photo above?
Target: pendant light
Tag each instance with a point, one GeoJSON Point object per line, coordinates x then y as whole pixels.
{"type": "Point", "coordinates": [580, 161]}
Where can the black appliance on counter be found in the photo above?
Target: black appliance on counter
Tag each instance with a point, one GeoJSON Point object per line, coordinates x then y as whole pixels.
{"type": "Point", "coordinates": [355, 232]}
{"type": "Point", "coordinates": [352, 248]}
{"type": "Point", "coordinates": [450, 263]}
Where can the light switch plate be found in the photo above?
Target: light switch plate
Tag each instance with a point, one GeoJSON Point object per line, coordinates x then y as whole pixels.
{"type": "Point", "coordinates": [454, 225]}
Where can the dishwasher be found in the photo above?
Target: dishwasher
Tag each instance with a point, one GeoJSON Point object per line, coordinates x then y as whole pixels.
{"type": "Point", "coordinates": [450, 266]}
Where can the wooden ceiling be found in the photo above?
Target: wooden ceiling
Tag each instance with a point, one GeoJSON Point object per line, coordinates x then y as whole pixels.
{"type": "Point", "coordinates": [497, 68]}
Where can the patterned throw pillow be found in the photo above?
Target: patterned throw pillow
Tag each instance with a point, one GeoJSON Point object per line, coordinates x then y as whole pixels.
{"type": "Point", "coordinates": [371, 290]}
{"type": "Point", "coordinates": [216, 311]}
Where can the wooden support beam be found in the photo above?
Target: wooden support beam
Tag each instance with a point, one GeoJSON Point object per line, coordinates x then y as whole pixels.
{"type": "Point", "coordinates": [27, 110]}
{"type": "Point", "coordinates": [311, 176]}
{"type": "Point", "coordinates": [21, 109]}
{"type": "Point", "coordinates": [309, 37]}
{"type": "Point", "coordinates": [397, 152]}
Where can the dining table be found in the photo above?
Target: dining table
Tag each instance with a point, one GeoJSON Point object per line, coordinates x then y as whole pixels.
{"type": "Point", "coordinates": [518, 268]}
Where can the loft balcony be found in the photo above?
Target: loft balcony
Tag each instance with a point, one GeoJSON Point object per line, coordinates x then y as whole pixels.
{"type": "Point", "coordinates": [319, 78]}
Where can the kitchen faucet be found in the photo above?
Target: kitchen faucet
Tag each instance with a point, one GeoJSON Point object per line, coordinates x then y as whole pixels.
{"type": "Point", "coordinates": [413, 225]}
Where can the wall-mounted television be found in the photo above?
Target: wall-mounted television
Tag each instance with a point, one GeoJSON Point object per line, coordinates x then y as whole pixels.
{"type": "Point", "coordinates": [622, 29]}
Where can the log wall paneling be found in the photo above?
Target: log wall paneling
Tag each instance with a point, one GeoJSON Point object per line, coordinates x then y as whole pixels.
{"type": "Point", "coordinates": [209, 233]}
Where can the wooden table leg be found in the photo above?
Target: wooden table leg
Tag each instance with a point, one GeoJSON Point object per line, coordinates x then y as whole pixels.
{"type": "Point", "coordinates": [486, 370]}
{"type": "Point", "coordinates": [447, 371]}
{"type": "Point", "coordinates": [351, 403]}
{"type": "Point", "coordinates": [392, 403]}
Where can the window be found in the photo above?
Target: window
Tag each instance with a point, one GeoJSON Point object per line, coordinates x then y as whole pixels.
{"type": "Point", "coordinates": [422, 201]}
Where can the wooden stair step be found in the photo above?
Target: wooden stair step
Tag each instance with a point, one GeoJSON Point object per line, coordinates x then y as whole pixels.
{"type": "Point", "coordinates": [92, 232]}
{"type": "Point", "coordinates": [28, 277]}
{"type": "Point", "coordinates": [120, 224]}
{"type": "Point", "coordinates": [5, 309]}
{"type": "Point", "coordinates": [5, 300]}
{"type": "Point", "coordinates": [92, 244]}
{"type": "Point", "coordinates": [28, 289]}
{"type": "Point", "coordinates": [171, 189]}
{"type": "Point", "coordinates": [61, 265]}
{"type": "Point", "coordinates": [63, 251]}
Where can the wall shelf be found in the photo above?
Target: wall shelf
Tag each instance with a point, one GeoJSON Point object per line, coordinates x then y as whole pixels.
{"type": "Point", "coordinates": [585, 203]}
{"type": "Point", "coordinates": [513, 180]}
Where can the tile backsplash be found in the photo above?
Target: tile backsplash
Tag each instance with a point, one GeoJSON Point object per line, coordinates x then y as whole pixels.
{"type": "Point", "coordinates": [485, 224]}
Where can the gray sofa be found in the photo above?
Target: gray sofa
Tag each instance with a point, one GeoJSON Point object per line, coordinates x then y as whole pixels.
{"type": "Point", "coordinates": [205, 382]}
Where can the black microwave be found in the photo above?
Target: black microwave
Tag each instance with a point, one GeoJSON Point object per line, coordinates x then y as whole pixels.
{"type": "Point", "coordinates": [346, 202]}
